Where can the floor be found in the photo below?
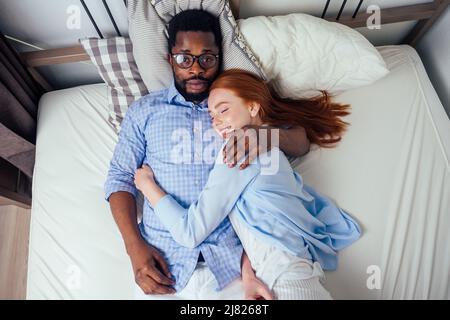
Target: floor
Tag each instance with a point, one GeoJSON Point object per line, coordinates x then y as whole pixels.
{"type": "Point", "coordinates": [14, 235]}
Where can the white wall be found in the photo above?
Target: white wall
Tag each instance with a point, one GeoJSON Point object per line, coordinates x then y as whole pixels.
{"type": "Point", "coordinates": [388, 34]}
{"type": "Point", "coordinates": [251, 8]}
{"type": "Point", "coordinates": [434, 49]}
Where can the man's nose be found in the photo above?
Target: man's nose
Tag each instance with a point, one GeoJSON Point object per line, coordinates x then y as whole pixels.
{"type": "Point", "coordinates": [197, 68]}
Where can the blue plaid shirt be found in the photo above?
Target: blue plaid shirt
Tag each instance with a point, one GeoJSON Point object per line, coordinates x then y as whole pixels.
{"type": "Point", "coordinates": [176, 139]}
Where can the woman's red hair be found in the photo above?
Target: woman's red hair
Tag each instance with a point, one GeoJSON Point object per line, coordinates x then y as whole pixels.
{"type": "Point", "coordinates": [320, 117]}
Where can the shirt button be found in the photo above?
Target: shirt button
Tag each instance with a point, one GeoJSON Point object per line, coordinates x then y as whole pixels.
{"type": "Point", "coordinates": [196, 182]}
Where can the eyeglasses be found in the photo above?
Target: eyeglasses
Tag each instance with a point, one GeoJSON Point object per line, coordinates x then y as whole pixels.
{"type": "Point", "coordinates": [185, 60]}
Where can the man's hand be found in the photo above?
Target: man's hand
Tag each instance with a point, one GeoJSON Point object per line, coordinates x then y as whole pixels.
{"type": "Point", "coordinates": [247, 144]}
{"type": "Point", "coordinates": [255, 289]}
{"type": "Point", "coordinates": [250, 142]}
{"type": "Point", "coordinates": [151, 272]}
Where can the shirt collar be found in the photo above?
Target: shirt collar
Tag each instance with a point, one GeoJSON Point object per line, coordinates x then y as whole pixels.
{"type": "Point", "coordinates": [173, 94]}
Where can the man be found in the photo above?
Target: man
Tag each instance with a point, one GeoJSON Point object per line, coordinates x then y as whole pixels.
{"type": "Point", "coordinates": [160, 265]}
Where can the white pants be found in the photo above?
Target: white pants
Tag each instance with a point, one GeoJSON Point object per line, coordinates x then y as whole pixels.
{"type": "Point", "coordinates": [305, 289]}
{"type": "Point", "coordinates": [289, 277]}
{"type": "Point", "coordinates": [201, 286]}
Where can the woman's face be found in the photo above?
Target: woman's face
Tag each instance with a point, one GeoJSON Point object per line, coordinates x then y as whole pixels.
{"type": "Point", "coordinates": [229, 112]}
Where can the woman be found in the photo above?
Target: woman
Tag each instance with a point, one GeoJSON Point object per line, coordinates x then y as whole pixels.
{"type": "Point", "coordinates": [288, 230]}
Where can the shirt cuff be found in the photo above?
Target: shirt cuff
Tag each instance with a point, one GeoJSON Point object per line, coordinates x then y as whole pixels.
{"type": "Point", "coordinates": [168, 210]}
{"type": "Point", "coordinates": [119, 187]}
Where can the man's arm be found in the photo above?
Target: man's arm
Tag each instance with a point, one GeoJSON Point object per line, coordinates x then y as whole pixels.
{"type": "Point", "coordinates": [123, 208]}
{"type": "Point", "coordinates": [120, 191]}
{"type": "Point", "coordinates": [146, 260]}
{"type": "Point", "coordinates": [294, 142]}
{"type": "Point", "coordinates": [254, 140]}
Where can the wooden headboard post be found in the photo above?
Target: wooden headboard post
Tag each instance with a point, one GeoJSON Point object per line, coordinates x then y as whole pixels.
{"type": "Point", "coordinates": [424, 25]}
{"type": "Point", "coordinates": [235, 6]}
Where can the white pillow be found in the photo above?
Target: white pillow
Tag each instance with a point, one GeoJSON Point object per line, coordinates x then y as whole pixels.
{"type": "Point", "coordinates": [301, 54]}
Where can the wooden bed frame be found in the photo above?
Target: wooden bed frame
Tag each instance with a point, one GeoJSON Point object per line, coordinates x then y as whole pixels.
{"type": "Point", "coordinates": [426, 14]}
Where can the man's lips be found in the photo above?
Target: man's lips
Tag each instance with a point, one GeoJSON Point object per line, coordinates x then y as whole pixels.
{"type": "Point", "coordinates": [197, 84]}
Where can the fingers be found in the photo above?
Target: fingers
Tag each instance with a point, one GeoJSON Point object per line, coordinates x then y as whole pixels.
{"type": "Point", "coordinates": [228, 151]}
{"type": "Point", "coordinates": [241, 152]}
{"type": "Point", "coordinates": [266, 294]}
{"type": "Point", "coordinates": [146, 168]}
{"type": "Point", "coordinates": [163, 265]}
{"type": "Point", "coordinates": [253, 154]}
{"type": "Point", "coordinates": [235, 138]}
{"type": "Point", "coordinates": [243, 144]}
{"type": "Point", "coordinates": [151, 287]}
{"type": "Point", "coordinates": [152, 283]}
{"type": "Point", "coordinates": [160, 278]}
{"type": "Point", "coordinates": [236, 149]}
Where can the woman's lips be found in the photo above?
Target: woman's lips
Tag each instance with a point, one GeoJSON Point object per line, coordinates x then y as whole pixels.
{"type": "Point", "coordinates": [197, 85]}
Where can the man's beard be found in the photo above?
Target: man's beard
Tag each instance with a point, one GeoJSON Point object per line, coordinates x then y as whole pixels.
{"type": "Point", "coordinates": [193, 97]}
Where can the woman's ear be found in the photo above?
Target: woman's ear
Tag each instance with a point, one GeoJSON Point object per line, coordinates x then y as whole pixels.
{"type": "Point", "coordinates": [254, 109]}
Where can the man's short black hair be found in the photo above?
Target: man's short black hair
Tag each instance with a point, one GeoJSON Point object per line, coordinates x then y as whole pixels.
{"type": "Point", "coordinates": [195, 20]}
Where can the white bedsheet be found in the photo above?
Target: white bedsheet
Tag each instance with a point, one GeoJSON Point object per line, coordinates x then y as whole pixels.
{"type": "Point", "coordinates": [391, 172]}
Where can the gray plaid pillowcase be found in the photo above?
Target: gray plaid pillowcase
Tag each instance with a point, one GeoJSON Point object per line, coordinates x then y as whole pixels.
{"type": "Point", "coordinates": [115, 63]}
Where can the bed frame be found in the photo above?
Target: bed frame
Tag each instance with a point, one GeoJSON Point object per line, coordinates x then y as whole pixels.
{"type": "Point", "coordinates": [426, 14]}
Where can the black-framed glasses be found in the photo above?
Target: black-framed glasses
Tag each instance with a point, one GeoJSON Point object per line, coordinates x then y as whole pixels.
{"type": "Point", "coordinates": [186, 60]}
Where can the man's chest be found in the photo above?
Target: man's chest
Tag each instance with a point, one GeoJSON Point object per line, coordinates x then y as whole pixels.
{"type": "Point", "coordinates": [181, 136]}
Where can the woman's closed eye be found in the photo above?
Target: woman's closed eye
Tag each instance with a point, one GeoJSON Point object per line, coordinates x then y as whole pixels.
{"type": "Point", "coordinates": [224, 110]}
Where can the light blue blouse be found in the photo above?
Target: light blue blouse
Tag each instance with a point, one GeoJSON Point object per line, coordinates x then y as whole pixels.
{"type": "Point", "coordinates": [273, 202]}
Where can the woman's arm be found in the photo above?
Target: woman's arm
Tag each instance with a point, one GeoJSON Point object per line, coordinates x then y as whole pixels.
{"type": "Point", "coordinates": [144, 179]}
{"type": "Point", "coordinates": [190, 226]}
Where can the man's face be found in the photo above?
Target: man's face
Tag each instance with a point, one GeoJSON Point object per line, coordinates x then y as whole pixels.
{"type": "Point", "coordinates": [193, 83]}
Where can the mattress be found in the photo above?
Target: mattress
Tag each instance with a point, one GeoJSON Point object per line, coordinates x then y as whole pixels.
{"type": "Point", "coordinates": [391, 173]}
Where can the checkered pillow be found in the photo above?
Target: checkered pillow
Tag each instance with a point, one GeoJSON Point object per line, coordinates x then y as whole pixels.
{"type": "Point", "coordinates": [115, 63]}
{"type": "Point", "coordinates": [148, 21]}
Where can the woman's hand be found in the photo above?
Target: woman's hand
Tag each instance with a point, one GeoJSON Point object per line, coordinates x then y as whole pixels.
{"type": "Point", "coordinates": [255, 289]}
{"type": "Point", "coordinates": [144, 179]}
